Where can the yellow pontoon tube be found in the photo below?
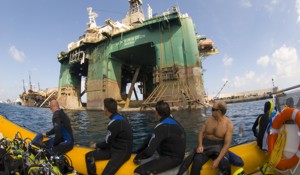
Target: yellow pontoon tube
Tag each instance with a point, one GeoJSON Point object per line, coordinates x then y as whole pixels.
{"type": "Point", "coordinates": [252, 156]}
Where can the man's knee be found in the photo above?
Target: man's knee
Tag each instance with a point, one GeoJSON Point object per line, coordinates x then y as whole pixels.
{"type": "Point", "coordinates": [62, 149]}
{"type": "Point", "coordinates": [199, 161]}
{"type": "Point", "coordinates": [196, 166]}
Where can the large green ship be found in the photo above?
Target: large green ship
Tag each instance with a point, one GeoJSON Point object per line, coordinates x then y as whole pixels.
{"type": "Point", "coordinates": [145, 59]}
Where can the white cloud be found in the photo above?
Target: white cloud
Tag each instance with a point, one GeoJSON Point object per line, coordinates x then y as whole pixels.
{"type": "Point", "coordinates": [263, 61]}
{"type": "Point", "coordinates": [298, 9]}
{"type": "Point", "coordinates": [274, 2]}
{"type": "Point", "coordinates": [240, 81]}
{"type": "Point", "coordinates": [246, 3]}
{"type": "Point", "coordinates": [251, 81]}
{"type": "Point", "coordinates": [286, 61]}
{"type": "Point", "coordinates": [227, 61]}
{"type": "Point", "coordinates": [250, 75]}
{"type": "Point", "coordinates": [16, 54]}
{"type": "Point", "coordinates": [273, 6]}
{"type": "Point", "coordinates": [224, 80]}
{"type": "Point", "coordinates": [284, 66]}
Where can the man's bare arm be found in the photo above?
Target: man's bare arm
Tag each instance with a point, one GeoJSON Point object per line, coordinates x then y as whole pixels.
{"type": "Point", "coordinates": [200, 137]}
{"type": "Point", "coordinates": [227, 140]}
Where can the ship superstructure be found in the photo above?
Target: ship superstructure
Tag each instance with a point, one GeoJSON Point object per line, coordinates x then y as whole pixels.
{"type": "Point", "coordinates": [159, 55]}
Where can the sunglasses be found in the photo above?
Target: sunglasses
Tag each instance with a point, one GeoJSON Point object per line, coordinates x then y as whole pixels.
{"type": "Point", "coordinates": [214, 109]}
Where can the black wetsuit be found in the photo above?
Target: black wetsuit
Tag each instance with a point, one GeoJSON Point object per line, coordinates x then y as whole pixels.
{"type": "Point", "coordinates": [169, 140]}
{"type": "Point", "coordinates": [212, 150]}
{"type": "Point", "coordinates": [262, 121]}
{"type": "Point", "coordinates": [117, 147]}
{"type": "Point", "coordinates": [63, 140]}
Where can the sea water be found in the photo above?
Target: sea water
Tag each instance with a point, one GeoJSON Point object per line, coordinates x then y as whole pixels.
{"type": "Point", "coordinates": [91, 125]}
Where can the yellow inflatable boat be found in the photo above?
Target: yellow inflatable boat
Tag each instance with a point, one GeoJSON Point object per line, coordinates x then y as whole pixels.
{"type": "Point", "coordinates": [252, 156]}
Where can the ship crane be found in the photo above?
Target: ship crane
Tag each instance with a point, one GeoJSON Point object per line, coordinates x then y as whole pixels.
{"type": "Point", "coordinates": [218, 94]}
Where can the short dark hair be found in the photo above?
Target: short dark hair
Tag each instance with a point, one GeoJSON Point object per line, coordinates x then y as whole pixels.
{"type": "Point", "coordinates": [267, 107]}
{"type": "Point", "coordinates": [290, 102]}
{"type": "Point", "coordinates": [163, 109]}
{"type": "Point", "coordinates": [111, 105]}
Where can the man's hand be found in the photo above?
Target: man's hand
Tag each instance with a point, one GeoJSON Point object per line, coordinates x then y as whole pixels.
{"type": "Point", "coordinates": [44, 134]}
{"type": "Point", "coordinates": [92, 144]}
{"type": "Point", "coordinates": [199, 149]}
{"type": "Point", "coordinates": [215, 164]}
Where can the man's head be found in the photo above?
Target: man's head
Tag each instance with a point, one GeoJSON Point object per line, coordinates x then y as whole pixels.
{"type": "Point", "coordinates": [163, 109]}
{"type": "Point", "coordinates": [54, 105]}
{"type": "Point", "coordinates": [289, 102]}
{"type": "Point", "coordinates": [219, 107]}
{"type": "Point", "coordinates": [267, 107]}
{"type": "Point", "coordinates": [110, 106]}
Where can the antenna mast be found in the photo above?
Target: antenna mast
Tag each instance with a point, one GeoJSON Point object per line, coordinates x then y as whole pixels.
{"type": "Point", "coordinates": [24, 86]}
{"type": "Point", "coordinates": [30, 85]}
{"type": "Point", "coordinates": [135, 13]}
{"type": "Point", "coordinates": [92, 16]}
{"type": "Point", "coordinates": [149, 12]}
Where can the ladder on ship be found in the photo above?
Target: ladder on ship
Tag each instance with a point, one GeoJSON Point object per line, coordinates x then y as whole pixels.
{"type": "Point", "coordinates": [176, 93]}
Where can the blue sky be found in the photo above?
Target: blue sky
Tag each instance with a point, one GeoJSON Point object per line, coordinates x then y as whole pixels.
{"type": "Point", "coordinates": [257, 39]}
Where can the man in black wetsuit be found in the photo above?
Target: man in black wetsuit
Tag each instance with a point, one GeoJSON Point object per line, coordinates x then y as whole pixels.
{"type": "Point", "coordinates": [260, 125]}
{"type": "Point", "coordinates": [63, 140]}
{"type": "Point", "coordinates": [214, 140]}
{"type": "Point", "coordinates": [168, 139]}
{"type": "Point", "coordinates": [117, 146]}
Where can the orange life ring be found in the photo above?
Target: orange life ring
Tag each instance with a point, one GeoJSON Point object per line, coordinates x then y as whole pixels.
{"type": "Point", "coordinates": [286, 114]}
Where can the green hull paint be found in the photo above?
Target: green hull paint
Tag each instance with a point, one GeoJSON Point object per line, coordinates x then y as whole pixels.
{"type": "Point", "coordinates": [164, 47]}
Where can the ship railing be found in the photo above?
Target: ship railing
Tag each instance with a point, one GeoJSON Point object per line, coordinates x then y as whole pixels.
{"type": "Point", "coordinates": [77, 56]}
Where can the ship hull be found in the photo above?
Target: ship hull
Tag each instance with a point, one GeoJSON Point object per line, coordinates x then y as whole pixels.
{"type": "Point", "coordinates": [162, 50]}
